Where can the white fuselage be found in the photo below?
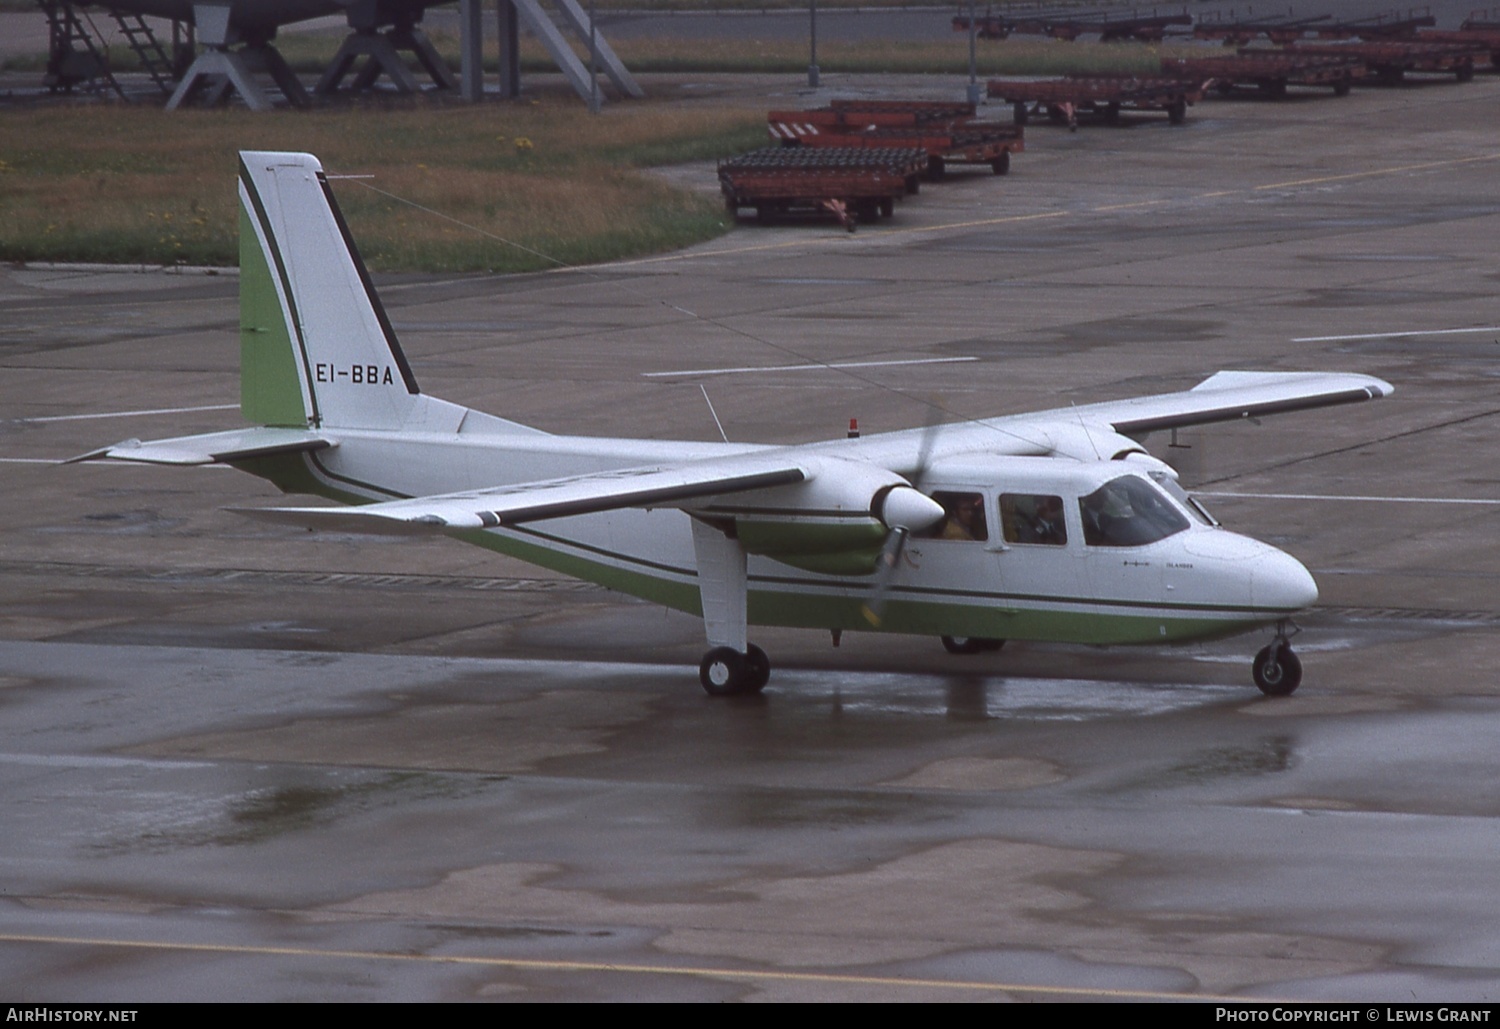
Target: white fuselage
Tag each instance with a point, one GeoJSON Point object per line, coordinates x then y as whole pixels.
{"type": "Point", "coordinates": [1196, 581]}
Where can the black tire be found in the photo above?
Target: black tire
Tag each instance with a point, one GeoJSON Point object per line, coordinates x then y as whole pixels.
{"type": "Point", "coordinates": [1278, 678]}
{"type": "Point", "coordinates": [936, 168]}
{"type": "Point", "coordinates": [724, 672]}
{"type": "Point", "coordinates": [1177, 112]}
{"type": "Point", "coordinates": [970, 644]}
{"type": "Point", "coordinates": [1020, 114]}
{"type": "Point", "coordinates": [1001, 165]}
{"type": "Point", "coordinates": [887, 207]}
{"type": "Point", "coordinates": [1465, 71]}
{"type": "Point", "coordinates": [757, 669]}
{"type": "Point", "coordinates": [1342, 87]}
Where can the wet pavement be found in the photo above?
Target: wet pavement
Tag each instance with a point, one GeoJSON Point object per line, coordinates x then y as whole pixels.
{"type": "Point", "coordinates": [238, 761]}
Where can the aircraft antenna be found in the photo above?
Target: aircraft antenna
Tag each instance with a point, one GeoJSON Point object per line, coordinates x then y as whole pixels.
{"type": "Point", "coordinates": [711, 411]}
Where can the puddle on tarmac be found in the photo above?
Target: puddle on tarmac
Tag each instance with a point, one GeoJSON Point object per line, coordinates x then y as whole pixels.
{"type": "Point", "coordinates": [159, 820]}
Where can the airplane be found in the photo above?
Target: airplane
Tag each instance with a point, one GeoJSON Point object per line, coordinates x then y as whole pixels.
{"type": "Point", "coordinates": [1049, 526]}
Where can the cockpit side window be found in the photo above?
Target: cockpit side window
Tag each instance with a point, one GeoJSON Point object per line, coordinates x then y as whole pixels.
{"type": "Point", "coordinates": [1128, 512]}
{"type": "Point", "coordinates": [1033, 518]}
{"type": "Point", "coordinates": [964, 519]}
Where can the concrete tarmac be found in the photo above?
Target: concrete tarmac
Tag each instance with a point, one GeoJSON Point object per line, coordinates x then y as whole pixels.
{"type": "Point", "coordinates": [242, 762]}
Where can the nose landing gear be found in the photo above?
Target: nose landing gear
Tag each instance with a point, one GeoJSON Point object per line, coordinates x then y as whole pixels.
{"type": "Point", "coordinates": [1277, 670]}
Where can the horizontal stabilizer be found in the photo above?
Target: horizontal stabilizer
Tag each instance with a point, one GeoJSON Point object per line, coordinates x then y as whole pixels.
{"type": "Point", "coordinates": [210, 448]}
{"type": "Point", "coordinates": [554, 498]}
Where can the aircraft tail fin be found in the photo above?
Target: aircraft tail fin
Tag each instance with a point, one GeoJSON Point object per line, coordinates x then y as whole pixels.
{"type": "Point", "coordinates": [316, 347]}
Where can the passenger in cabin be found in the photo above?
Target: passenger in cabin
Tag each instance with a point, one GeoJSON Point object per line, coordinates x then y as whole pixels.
{"type": "Point", "coordinates": [965, 520]}
{"type": "Point", "coordinates": [1049, 527]}
{"type": "Point", "coordinates": [1033, 518]}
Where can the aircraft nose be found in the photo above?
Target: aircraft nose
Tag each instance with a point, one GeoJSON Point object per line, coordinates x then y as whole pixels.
{"type": "Point", "coordinates": [1281, 583]}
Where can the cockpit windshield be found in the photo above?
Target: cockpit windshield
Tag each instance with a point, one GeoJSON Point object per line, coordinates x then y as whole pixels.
{"type": "Point", "coordinates": [1193, 504]}
{"type": "Point", "coordinates": [1128, 512]}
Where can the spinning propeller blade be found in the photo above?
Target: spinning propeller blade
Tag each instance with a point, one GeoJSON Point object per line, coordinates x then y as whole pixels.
{"type": "Point", "coordinates": [904, 510]}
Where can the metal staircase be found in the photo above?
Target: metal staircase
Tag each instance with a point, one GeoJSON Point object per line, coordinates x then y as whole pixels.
{"type": "Point", "coordinates": [75, 54]}
{"type": "Point", "coordinates": [153, 56]}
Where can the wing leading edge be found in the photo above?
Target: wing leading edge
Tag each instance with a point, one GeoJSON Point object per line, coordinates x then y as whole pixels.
{"type": "Point", "coordinates": [1229, 396]}
{"type": "Point", "coordinates": [553, 498]}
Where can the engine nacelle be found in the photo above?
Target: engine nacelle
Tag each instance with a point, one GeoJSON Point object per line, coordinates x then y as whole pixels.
{"type": "Point", "coordinates": [836, 522]}
{"type": "Point", "coordinates": [1083, 442]}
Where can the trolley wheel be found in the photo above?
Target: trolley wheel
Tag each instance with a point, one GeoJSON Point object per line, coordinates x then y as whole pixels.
{"type": "Point", "coordinates": [1020, 114]}
{"type": "Point", "coordinates": [1341, 87]}
{"type": "Point", "coordinates": [1177, 112]}
{"type": "Point", "coordinates": [887, 207]}
{"type": "Point", "coordinates": [1001, 164]}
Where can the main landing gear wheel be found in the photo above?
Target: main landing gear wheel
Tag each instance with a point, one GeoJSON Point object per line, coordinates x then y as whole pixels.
{"type": "Point", "coordinates": [1277, 671]}
{"type": "Point", "coordinates": [970, 644]}
{"type": "Point", "coordinates": [725, 672]}
{"type": "Point", "coordinates": [758, 666]}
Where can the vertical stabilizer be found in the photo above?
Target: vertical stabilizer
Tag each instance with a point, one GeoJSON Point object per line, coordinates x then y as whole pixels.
{"type": "Point", "coordinates": [316, 348]}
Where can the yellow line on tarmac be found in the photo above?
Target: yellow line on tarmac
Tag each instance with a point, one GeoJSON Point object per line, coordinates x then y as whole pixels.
{"type": "Point", "coordinates": [522, 964]}
{"type": "Point", "coordinates": [1423, 166]}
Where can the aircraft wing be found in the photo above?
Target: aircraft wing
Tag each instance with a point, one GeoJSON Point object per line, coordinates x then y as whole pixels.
{"type": "Point", "coordinates": [1229, 396]}
{"type": "Point", "coordinates": [553, 498]}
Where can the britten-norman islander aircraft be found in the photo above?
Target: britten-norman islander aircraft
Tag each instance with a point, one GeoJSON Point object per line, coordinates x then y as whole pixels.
{"type": "Point", "coordinates": [1056, 525]}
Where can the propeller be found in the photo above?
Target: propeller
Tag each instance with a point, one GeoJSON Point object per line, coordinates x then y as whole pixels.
{"type": "Point", "coordinates": [904, 509]}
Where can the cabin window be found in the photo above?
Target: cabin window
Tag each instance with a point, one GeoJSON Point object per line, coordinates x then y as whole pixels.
{"type": "Point", "coordinates": [1033, 518]}
{"type": "Point", "coordinates": [1128, 512]}
{"type": "Point", "coordinates": [963, 517]}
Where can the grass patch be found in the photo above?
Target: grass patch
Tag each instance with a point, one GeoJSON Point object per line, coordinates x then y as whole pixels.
{"type": "Point", "coordinates": [76, 184]}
